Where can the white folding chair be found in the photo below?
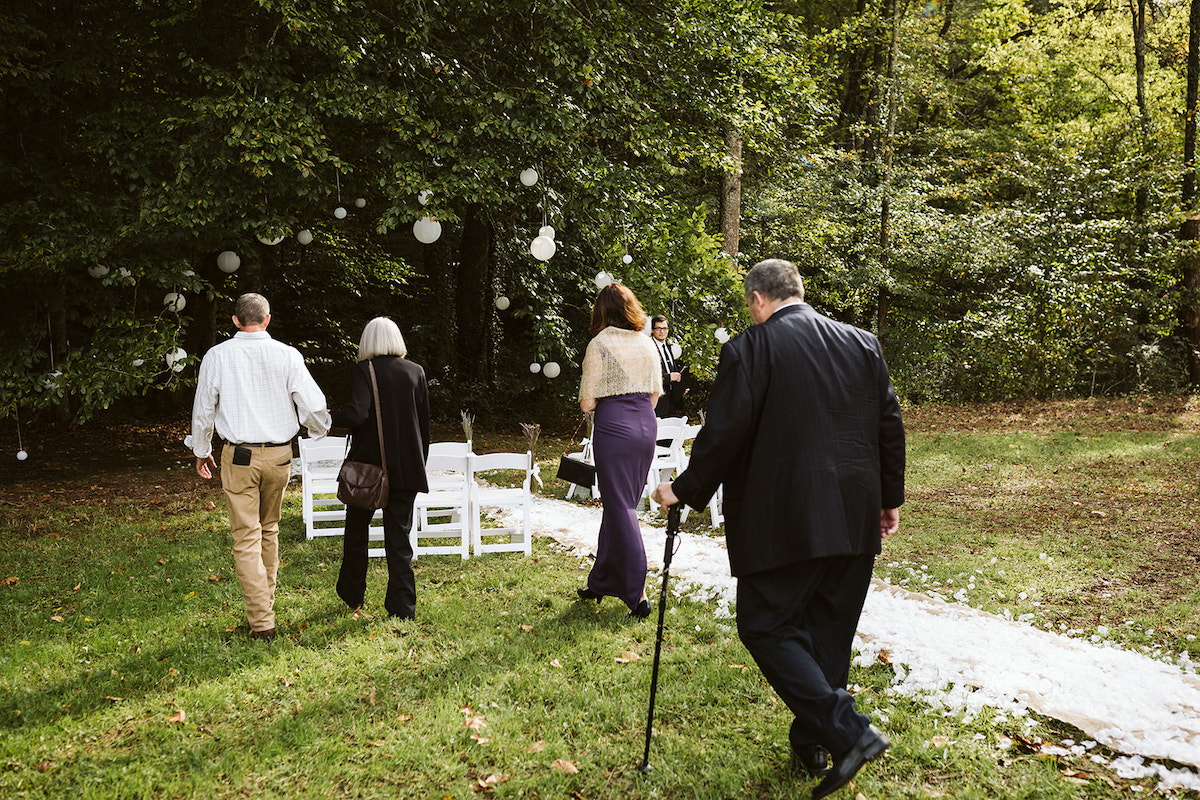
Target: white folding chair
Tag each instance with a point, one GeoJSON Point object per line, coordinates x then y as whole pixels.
{"type": "Point", "coordinates": [443, 513]}
{"type": "Point", "coordinates": [667, 457]}
{"type": "Point", "coordinates": [323, 513]}
{"type": "Point", "coordinates": [510, 538]}
{"type": "Point", "coordinates": [450, 449]}
{"type": "Point", "coordinates": [689, 433]}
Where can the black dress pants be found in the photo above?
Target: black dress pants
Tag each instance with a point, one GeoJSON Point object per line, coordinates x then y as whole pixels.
{"type": "Point", "coordinates": [401, 597]}
{"type": "Point", "coordinates": [798, 622]}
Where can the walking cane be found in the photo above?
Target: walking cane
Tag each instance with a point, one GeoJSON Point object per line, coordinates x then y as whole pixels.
{"type": "Point", "coordinates": [672, 529]}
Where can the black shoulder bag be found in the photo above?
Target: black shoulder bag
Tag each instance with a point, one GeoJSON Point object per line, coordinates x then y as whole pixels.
{"type": "Point", "coordinates": [360, 484]}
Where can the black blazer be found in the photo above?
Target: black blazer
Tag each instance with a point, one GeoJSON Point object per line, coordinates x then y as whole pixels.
{"type": "Point", "coordinates": [404, 396]}
{"type": "Point", "coordinates": [804, 430]}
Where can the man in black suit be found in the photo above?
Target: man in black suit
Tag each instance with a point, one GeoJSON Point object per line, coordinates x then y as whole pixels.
{"type": "Point", "coordinates": [804, 431]}
{"type": "Point", "coordinates": [671, 374]}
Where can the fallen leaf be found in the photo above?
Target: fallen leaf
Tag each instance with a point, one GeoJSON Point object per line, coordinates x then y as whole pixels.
{"type": "Point", "coordinates": [527, 628]}
{"type": "Point", "coordinates": [284, 681]}
{"type": "Point", "coordinates": [536, 747]}
{"type": "Point", "coordinates": [404, 718]}
{"type": "Point", "coordinates": [57, 618]}
{"type": "Point", "coordinates": [379, 743]}
{"type": "Point", "coordinates": [941, 741]}
{"type": "Point", "coordinates": [43, 765]}
{"type": "Point", "coordinates": [214, 578]}
{"type": "Point", "coordinates": [480, 739]}
{"type": "Point", "coordinates": [742, 667]}
{"type": "Point", "coordinates": [885, 656]}
{"type": "Point", "coordinates": [13, 581]}
{"type": "Point", "coordinates": [180, 717]}
{"type": "Point", "coordinates": [114, 699]}
{"type": "Point", "coordinates": [562, 765]}
{"type": "Point", "coordinates": [159, 561]}
{"type": "Point", "coordinates": [484, 784]}
{"type": "Point", "coordinates": [75, 588]}
{"type": "Point", "coordinates": [555, 664]}
{"type": "Point", "coordinates": [475, 723]}
{"type": "Point", "coordinates": [628, 656]}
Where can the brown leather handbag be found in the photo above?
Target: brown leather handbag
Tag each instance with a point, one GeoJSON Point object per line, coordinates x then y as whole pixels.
{"type": "Point", "coordinates": [360, 484]}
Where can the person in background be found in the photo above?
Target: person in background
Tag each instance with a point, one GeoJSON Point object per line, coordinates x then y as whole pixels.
{"type": "Point", "coordinates": [404, 405]}
{"type": "Point", "coordinates": [621, 383]}
{"type": "Point", "coordinates": [804, 431]}
{"type": "Point", "coordinates": [671, 375]}
{"type": "Point", "coordinates": [256, 392]}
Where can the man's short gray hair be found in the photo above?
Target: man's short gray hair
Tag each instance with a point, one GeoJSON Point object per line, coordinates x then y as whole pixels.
{"type": "Point", "coordinates": [774, 279]}
{"type": "Point", "coordinates": [252, 309]}
{"type": "Point", "coordinates": [381, 337]}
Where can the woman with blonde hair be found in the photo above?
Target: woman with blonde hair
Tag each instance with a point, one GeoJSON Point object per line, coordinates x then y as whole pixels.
{"type": "Point", "coordinates": [621, 383]}
{"type": "Point", "coordinates": [404, 411]}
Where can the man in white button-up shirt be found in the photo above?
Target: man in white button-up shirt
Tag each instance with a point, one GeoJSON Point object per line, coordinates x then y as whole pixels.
{"type": "Point", "coordinates": [256, 392]}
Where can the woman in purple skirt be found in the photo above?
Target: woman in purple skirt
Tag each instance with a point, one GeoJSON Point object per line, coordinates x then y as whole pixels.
{"type": "Point", "coordinates": [622, 381]}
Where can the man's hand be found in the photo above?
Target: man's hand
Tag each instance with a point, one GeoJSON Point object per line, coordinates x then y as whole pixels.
{"type": "Point", "coordinates": [664, 495]}
{"type": "Point", "coordinates": [889, 522]}
{"type": "Point", "coordinates": [676, 376]}
{"type": "Point", "coordinates": [205, 466]}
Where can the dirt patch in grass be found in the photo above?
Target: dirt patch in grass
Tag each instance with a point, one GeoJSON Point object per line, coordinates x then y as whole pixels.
{"type": "Point", "coordinates": [1155, 413]}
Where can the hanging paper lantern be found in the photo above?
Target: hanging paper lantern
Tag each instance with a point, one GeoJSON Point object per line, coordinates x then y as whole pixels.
{"type": "Point", "coordinates": [137, 362]}
{"type": "Point", "coordinates": [535, 368]}
{"type": "Point", "coordinates": [547, 231]}
{"type": "Point", "coordinates": [603, 279]}
{"type": "Point", "coordinates": [502, 302]}
{"type": "Point", "coordinates": [174, 358]}
{"type": "Point", "coordinates": [676, 350]}
{"type": "Point", "coordinates": [50, 383]}
{"type": "Point", "coordinates": [340, 212]}
{"type": "Point", "coordinates": [228, 261]}
{"type": "Point", "coordinates": [542, 248]}
{"type": "Point", "coordinates": [268, 240]}
{"type": "Point", "coordinates": [427, 230]}
{"type": "Point", "coordinates": [529, 176]}
{"type": "Point", "coordinates": [97, 270]}
{"type": "Point", "coordinates": [627, 259]}
{"type": "Point", "coordinates": [552, 369]}
{"type": "Point", "coordinates": [22, 455]}
{"type": "Point", "coordinates": [187, 273]}
{"type": "Point", "coordinates": [360, 202]}
{"type": "Point", "coordinates": [423, 197]}
{"type": "Point", "coordinates": [304, 237]}
{"type": "Point", "coordinates": [174, 301]}
{"type": "Point", "coordinates": [722, 335]}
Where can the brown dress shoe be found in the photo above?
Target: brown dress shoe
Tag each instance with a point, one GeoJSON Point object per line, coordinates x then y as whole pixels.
{"type": "Point", "coordinates": [267, 636]}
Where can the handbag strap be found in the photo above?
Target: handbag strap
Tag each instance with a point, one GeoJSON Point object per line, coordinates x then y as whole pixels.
{"type": "Point", "coordinates": [378, 415]}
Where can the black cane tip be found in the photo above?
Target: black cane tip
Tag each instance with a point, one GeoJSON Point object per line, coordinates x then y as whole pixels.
{"type": "Point", "coordinates": [645, 768]}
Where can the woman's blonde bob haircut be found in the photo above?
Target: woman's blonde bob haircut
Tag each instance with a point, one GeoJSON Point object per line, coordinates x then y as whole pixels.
{"type": "Point", "coordinates": [381, 337]}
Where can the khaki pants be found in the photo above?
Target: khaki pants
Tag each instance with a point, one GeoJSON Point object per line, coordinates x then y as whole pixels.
{"type": "Point", "coordinates": [254, 495]}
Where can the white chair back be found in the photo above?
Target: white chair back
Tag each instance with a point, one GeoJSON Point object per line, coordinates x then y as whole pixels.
{"type": "Point", "coordinates": [516, 535]}
{"type": "Point", "coordinates": [443, 513]}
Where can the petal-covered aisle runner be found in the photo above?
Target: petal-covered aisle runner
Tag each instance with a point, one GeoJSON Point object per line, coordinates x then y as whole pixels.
{"type": "Point", "coordinates": [955, 656]}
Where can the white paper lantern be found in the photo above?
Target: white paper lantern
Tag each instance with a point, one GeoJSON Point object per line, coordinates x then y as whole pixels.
{"type": "Point", "coordinates": [603, 279]}
{"type": "Point", "coordinates": [228, 261]}
{"type": "Point", "coordinates": [340, 212]}
{"type": "Point", "coordinates": [529, 176]}
{"type": "Point", "coordinates": [137, 362]}
{"type": "Point", "coordinates": [542, 248]}
{"type": "Point", "coordinates": [187, 273]}
{"type": "Point", "coordinates": [423, 197]}
{"type": "Point", "coordinates": [722, 335]}
{"type": "Point", "coordinates": [676, 350]}
{"type": "Point", "coordinates": [502, 302]}
{"type": "Point", "coordinates": [268, 239]}
{"type": "Point", "coordinates": [22, 455]}
{"type": "Point", "coordinates": [174, 357]}
{"type": "Point", "coordinates": [627, 259]}
{"type": "Point", "coordinates": [50, 383]}
{"type": "Point", "coordinates": [535, 368]}
{"type": "Point", "coordinates": [304, 237]}
{"type": "Point", "coordinates": [360, 202]}
{"type": "Point", "coordinates": [427, 230]}
{"type": "Point", "coordinates": [552, 369]}
{"type": "Point", "coordinates": [174, 301]}
{"type": "Point", "coordinates": [97, 270]}
{"type": "Point", "coordinates": [547, 231]}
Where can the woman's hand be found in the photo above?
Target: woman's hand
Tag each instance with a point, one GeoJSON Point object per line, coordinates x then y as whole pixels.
{"type": "Point", "coordinates": [588, 404]}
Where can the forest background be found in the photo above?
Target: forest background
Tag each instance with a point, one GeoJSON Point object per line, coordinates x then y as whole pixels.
{"type": "Point", "coordinates": [1002, 190]}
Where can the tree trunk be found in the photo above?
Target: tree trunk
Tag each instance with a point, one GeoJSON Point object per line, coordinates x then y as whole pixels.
{"type": "Point", "coordinates": [474, 257]}
{"type": "Point", "coordinates": [1189, 274]}
{"type": "Point", "coordinates": [1139, 51]}
{"type": "Point", "coordinates": [731, 197]}
{"type": "Point", "coordinates": [885, 206]}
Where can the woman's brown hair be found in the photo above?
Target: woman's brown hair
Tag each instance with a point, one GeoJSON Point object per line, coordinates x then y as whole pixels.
{"type": "Point", "coordinates": [618, 307]}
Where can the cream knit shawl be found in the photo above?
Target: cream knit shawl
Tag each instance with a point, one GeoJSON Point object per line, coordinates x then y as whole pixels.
{"type": "Point", "coordinates": [620, 361]}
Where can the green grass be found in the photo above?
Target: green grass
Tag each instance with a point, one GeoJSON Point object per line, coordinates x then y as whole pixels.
{"type": "Point", "coordinates": [126, 612]}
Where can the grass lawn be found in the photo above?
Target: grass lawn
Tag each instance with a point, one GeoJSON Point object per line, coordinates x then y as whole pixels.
{"type": "Point", "coordinates": [125, 669]}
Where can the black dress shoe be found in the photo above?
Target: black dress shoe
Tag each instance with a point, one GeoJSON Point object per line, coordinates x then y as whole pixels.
{"type": "Point", "coordinates": [811, 759]}
{"type": "Point", "coordinates": [586, 593]}
{"type": "Point", "coordinates": [869, 747]}
{"type": "Point", "coordinates": [267, 636]}
{"type": "Point", "coordinates": [642, 611]}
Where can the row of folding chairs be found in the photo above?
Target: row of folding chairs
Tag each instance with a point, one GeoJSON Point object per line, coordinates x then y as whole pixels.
{"type": "Point", "coordinates": [453, 518]}
{"type": "Point", "coordinates": [670, 459]}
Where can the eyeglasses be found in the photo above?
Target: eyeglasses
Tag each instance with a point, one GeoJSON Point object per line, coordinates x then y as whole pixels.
{"type": "Point", "coordinates": [660, 327]}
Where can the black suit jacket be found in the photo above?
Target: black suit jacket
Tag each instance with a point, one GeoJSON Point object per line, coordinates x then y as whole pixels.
{"type": "Point", "coordinates": [666, 403]}
{"type": "Point", "coordinates": [404, 395]}
{"type": "Point", "coordinates": [804, 430]}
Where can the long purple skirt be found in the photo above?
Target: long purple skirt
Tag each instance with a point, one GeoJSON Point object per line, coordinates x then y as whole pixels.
{"type": "Point", "coordinates": [623, 444]}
